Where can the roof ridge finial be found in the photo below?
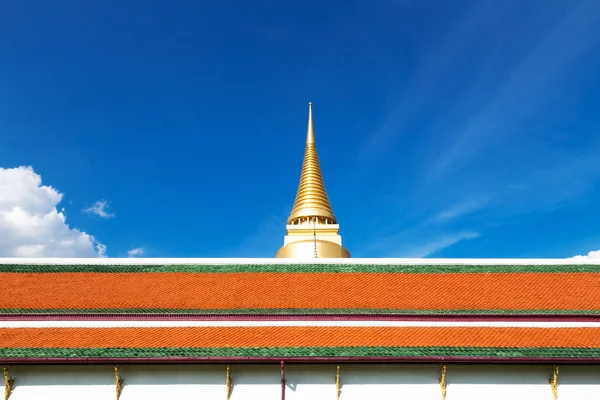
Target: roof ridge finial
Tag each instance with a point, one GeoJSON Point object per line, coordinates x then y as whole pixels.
{"type": "Point", "coordinates": [310, 134]}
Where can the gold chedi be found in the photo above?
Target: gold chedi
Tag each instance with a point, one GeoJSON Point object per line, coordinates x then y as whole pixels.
{"type": "Point", "coordinates": [312, 229]}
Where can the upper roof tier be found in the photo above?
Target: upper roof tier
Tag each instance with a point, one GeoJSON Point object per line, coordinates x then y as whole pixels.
{"type": "Point", "coordinates": [290, 287]}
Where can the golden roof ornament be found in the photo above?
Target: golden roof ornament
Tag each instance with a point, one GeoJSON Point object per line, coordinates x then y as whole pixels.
{"type": "Point", "coordinates": [311, 198]}
{"type": "Point", "coordinates": [312, 229]}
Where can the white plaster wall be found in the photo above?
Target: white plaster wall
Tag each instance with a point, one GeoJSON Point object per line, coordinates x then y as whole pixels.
{"type": "Point", "coordinates": [309, 382]}
{"type": "Point", "coordinates": [521, 382]}
{"type": "Point", "coordinates": [498, 382]}
{"type": "Point", "coordinates": [314, 382]}
{"type": "Point", "coordinates": [63, 382]}
{"type": "Point", "coordinates": [254, 382]}
{"type": "Point", "coordinates": [181, 382]}
{"type": "Point", "coordinates": [390, 381]}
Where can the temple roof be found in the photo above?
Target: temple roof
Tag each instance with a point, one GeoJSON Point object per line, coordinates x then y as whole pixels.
{"type": "Point", "coordinates": [289, 342]}
{"type": "Point", "coordinates": [70, 309]}
{"type": "Point", "coordinates": [261, 287]}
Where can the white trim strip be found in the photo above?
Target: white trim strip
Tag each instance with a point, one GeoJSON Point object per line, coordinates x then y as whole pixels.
{"type": "Point", "coordinates": [284, 261]}
{"type": "Point", "coordinates": [252, 323]}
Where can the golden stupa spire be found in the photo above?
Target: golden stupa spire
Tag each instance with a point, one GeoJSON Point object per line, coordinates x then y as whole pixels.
{"type": "Point", "coordinates": [311, 198]}
{"type": "Point", "coordinates": [312, 230]}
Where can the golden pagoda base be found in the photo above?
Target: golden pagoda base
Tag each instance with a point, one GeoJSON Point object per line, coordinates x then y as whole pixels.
{"type": "Point", "coordinates": [303, 241]}
{"type": "Point", "coordinates": [306, 249]}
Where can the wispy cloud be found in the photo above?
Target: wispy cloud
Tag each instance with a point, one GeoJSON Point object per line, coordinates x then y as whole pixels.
{"type": "Point", "coordinates": [429, 74]}
{"type": "Point", "coordinates": [463, 208]}
{"type": "Point", "coordinates": [418, 241]}
{"type": "Point", "coordinates": [138, 251]}
{"type": "Point", "coordinates": [439, 244]}
{"type": "Point", "coordinates": [495, 141]}
{"type": "Point", "coordinates": [528, 91]}
{"type": "Point", "coordinates": [100, 208]}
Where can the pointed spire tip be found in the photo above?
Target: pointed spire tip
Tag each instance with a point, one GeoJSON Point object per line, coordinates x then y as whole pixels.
{"type": "Point", "coordinates": [310, 134]}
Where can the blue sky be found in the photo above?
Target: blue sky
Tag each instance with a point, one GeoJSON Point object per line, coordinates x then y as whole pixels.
{"type": "Point", "coordinates": [444, 129]}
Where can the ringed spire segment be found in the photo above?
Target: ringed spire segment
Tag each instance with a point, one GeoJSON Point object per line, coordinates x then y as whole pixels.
{"type": "Point", "coordinates": [311, 199]}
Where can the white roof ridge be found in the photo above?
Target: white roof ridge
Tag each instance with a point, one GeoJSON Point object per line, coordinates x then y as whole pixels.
{"type": "Point", "coordinates": [280, 261]}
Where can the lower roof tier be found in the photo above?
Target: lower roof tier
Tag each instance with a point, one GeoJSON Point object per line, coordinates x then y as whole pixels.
{"type": "Point", "coordinates": [296, 342]}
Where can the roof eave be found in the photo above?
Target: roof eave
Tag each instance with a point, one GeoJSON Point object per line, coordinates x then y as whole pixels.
{"type": "Point", "coordinates": [300, 360]}
{"type": "Point", "coordinates": [276, 261]}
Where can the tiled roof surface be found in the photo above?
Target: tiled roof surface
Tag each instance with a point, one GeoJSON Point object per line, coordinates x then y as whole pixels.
{"type": "Point", "coordinates": [270, 288]}
{"type": "Point", "coordinates": [298, 341]}
{"type": "Point", "coordinates": [296, 288]}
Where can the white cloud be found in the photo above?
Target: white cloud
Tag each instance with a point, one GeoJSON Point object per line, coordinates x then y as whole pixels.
{"type": "Point", "coordinates": [139, 251]}
{"type": "Point", "coordinates": [30, 223]}
{"type": "Point", "coordinates": [99, 208]}
{"type": "Point", "coordinates": [592, 255]}
{"type": "Point", "coordinates": [101, 249]}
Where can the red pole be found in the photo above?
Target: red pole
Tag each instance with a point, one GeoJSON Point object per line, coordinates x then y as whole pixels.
{"type": "Point", "coordinates": [282, 381]}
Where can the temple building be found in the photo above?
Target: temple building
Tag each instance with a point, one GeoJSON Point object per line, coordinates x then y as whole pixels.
{"type": "Point", "coordinates": [310, 323]}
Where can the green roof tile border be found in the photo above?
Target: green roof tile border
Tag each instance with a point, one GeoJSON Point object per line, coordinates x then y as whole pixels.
{"type": "Point", "coordinates": [284, 311]}
{"type": "Point", "coordinates": [304, 268]}
{"type": "Point", "coordinates": [488, 352]}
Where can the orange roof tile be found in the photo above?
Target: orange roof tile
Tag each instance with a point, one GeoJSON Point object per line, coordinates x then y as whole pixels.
{"type": "Point", "coordinates": [577, 291]}
{"type": "Point", "coordinates": [298, 336]}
